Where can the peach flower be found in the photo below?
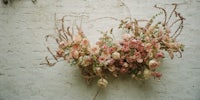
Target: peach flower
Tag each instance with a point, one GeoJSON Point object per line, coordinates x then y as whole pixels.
{"type": "Point", "coordinates": [75, 54]}
{"type": "Point", "coordinates": [85, 42]}
{"type": "Point", "coordinates": [77, 38]}
{"type": "Point", "coordinates": [94, 50]}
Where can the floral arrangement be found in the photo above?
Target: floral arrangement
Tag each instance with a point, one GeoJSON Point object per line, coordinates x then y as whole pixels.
{"type": "Point", "coordinates": [137, 54]}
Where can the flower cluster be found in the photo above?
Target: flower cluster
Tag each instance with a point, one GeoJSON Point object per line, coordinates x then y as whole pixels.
{"type": "Point", "coordinates": [137, 54]}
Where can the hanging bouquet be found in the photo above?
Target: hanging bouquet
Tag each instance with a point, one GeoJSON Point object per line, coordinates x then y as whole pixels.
{"type": "Point", "coordinates": [137, 54]}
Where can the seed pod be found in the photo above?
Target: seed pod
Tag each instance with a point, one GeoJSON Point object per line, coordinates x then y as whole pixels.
{"type": "Point", "coordinates": [123, 70]}
{"type": "Point", "coordinates": [98, 71]}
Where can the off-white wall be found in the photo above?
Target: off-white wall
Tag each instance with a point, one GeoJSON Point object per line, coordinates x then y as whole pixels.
{"type": "Point", "coordinates": [23, 26]}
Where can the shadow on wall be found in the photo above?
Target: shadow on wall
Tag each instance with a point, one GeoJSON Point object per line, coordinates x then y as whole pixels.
{"type": "Point", "coordinates": [6, 2]}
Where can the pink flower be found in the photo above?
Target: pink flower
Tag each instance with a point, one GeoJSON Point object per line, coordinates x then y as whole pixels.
{"type": "Point", "coordinates": [94, 50]}
{"type": "Point", "coordinates": [110, 61]}
{"type": "Point", "coordinates": [160, 55]}
{"type": "Point", "coordinates": [157, 74]}
{"type": "Point", "coordinates": [148, 47]}
{"type": "Point", "coordinates": [126, 36]}
{"type": "Point", "coordinates": [136, 44]}
{"type": "Point", "coordinates": [60, 52]}
{"type": "Point", "coordinates": [75, 47]}
{"type": "Point", "coordinates": [85, 42]}
{"type": "Point", "coordinates": [101, 59]}
{"type": "Point", "coordinates": [130, 59]}
{"type": "Point", "coordinates": [112, 49]}
{"type": "Point", "coordinates": [137, 54]}
{"type": "Point", "coordinates": [133, 43]}
{"type": "Point", "coordinates": [125, 48]}
{"type": "Point", "coordinates": [106, 55]}
{"type": "Point", "coordinates": [139, 60]}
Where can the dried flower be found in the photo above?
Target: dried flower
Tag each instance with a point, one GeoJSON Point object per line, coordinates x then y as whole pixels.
{"type": "Point", "coordinates": [153, 64]}
{"type": "Point", "coordinates": [77, 38]}
{"type": "Point", "coordinates": [94, 50]}
{"type": "Point", "coordinates": [102, 83]}
{"type": "Point", "coordinates": [85, 42]}
{"type": "Point", "coordinates": [137, 54]}
{"type": "Point", "coordinates": [75, 54]}
{"type": "Point", "coordinates": [116, 55]}
{"type": "Point", "coordinates": [147, 73]}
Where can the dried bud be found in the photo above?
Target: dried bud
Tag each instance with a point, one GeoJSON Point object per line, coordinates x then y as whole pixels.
{"type": "Point", "coordinates": [153, 64]}
{"type": "Point", "coordinates": [86, 61]}
{"type": "Point", "coordinates": [60, 52]}
{"type": "Point", "coordinates": [140, 60]}
{"type": "Point", "coordinates": [147, 73]}
{"type": "Point", "coordinates": [157, 74]}
{"type": "Point", "coordinates": [98, 71]}
{"type": "Point", "coordinates": [116, 55]}
{"type": "Point", "coordinates": [125, 64]}
{"type": "Point", "coordinates": [123, 70]}
{"type": "Point", "coordinates": [102, 83]}
{"type": "Point", "coordinates": [133, 75]}
{"type": "Point", "coordinates": [160, 55]}
{"type": "Point", "coordinates": [111, 68]}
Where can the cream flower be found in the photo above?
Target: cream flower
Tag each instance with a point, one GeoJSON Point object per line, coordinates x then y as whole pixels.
{"type": "Point", "coordinates": [147, 73]}
{"type": "Point", "coordinates": [86, 61]}
{"type": "Point", "coordinates": [153, 64]}
{"type": "Point", "coordinates": [102, 83]}
{"type": "Point", "coordinates": [116, 55]}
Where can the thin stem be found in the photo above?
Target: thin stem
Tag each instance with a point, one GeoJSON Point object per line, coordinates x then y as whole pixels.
{"type": "Point", "coordinates": [48, 63]}
{"type": "Point", "coordinates": [175, 6]}
{"type": "Point", "coordinates": [181, 28]}
{"type": "Point", "coordinates": [165, 13]}
{"type": "Point", "coordinates": [52, 54]}
{"type": "Point", "coordinates": [103, 18]}
{"type": "Point", "coordinates": [127, 9]}
{"type": "Point", "coordinates": [97, 93]}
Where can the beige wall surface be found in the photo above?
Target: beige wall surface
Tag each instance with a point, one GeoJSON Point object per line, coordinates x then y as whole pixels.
{"type": "Point", "coordinates": [23, 26]}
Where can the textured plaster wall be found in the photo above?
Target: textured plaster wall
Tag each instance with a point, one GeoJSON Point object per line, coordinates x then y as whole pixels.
{"type": "Point", "coordinates": [23, 26]}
